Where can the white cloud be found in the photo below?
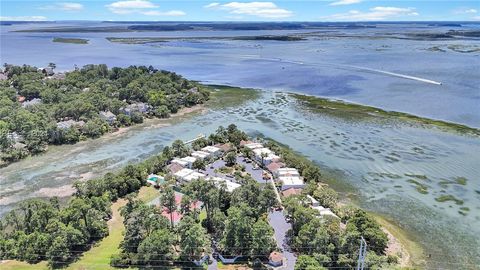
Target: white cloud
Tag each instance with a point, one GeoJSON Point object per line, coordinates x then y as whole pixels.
{"type": "Point", "coordinates": [144, 7]}
{"type": "Point", "coordinates": [164, 13]}
{"type": "Point", "coordinates": [258, 9]}
{"type": "Point", "coordinates": [374, 14]}
{"type": "Point", "coordinates": [66, 6]}
{"type": "Point", "coordinates": [23, 18]}
{"type": "Point", "coordinates": [345, 2]}
{"type": "Point", "coordinates": [465, 11]}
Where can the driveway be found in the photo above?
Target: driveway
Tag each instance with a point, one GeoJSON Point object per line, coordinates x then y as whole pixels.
{"type": "Point", "coordinates": [281, 226]}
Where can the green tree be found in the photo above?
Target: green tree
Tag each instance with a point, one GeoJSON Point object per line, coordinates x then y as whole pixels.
{"type": "Point", "coordinates": [167, 199]}
{"type": "Point", "coordinates": [231, 159]}
{"type": "Point", "coordinates": [326, 196]}
{"type": "Point", "coordinates": [262, 239]}
{"type": "Point", "coordinates": [199, 164]}
{"type": "Point", "coordinates": [194, 240]}
{"type": "Point", "coordinates": [157, 248]}
{"type": "Point", "coordinates": [305, 262]}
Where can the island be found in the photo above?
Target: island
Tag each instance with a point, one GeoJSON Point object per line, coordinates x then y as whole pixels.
{"type": "Point", "coordinates": [222, 199]}
{"type": "Point", "coordinates": [71, 40]}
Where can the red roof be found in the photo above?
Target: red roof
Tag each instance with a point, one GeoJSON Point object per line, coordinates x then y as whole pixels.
{"type": "Point", "coordinates": [272, 167]}
{"type": "Point", "coordinates": [291, 191]}
{"type": "Point", "coordinates": [174, 167]}
{"type": "Point", "coordinates": [242, 142]}
{"type": "Point", "coordinates": [20, 99]}
{"type": "Point", "coordinates": [176, 216]}
{"type": "Point", "coordinates": [275, 256]}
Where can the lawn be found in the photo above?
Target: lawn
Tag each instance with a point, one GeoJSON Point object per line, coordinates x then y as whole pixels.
{"type": "Point", "coordinates": [98, 257]}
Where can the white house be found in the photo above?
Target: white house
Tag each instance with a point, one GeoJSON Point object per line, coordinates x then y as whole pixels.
{"type": "Point", "coordinates": [270, 159]}
{"type": "Point", "coordinates": [200, 154]}
{"type": "Point", "coordinates": [265, 154]}
{"type": "Point", "coordinates": [108, 116]}
{"type": "Point", "coordinates": [254, 145]}
{"type": "Point", "coordinates": [189, 161]}
{"type": "Point", "coordinates": [213, 150]}
{"type": "Point", "coordinates": [231, 186]}
{"type": "Point", "coordinates": [193, 176]}
{"type": "Point", "coordinates": [291, 182]}
{"type": "Point", "coordinates": [313, 201]}
{"type": "Point", "coordinates": [180, 162]}
{"type": "Point", "coordinates": [180, 175]}
{"type": "Point", "coordinates": [322, 211]}
{"type": "Point", "coordinates": [286, 172]}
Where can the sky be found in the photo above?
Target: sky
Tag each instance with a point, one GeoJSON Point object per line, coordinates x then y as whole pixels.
{"type": "Point", "coordinates": [281, 10]}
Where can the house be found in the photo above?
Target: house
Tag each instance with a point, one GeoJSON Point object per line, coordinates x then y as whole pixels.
{"type": "Point", "coordinates": [189, 161]}
{"type": "Point", "coordinates": [180, 175]}
{"type": "Point", "coordinates": [291, 191]}
{"type": "Point", "coordinates": [155, 180]}
{"type": "Point", "coordinates": [21, 99]}
{"type": "Point", "coordinates": [322, 211]}
{"type": "Point", "coordinates": [230, 186]}
{"type": "Point", "coordinates": [3, 76]}
{"type": "Point", "coordinates": [108, 116]}
{"type": "Point", "coordinates": [271, 158]}
{"type": "Point", "coordinates": [180, 162]}
{"type": "Point", "coordinates": [253, 145]}
{"type": "Point", "coordinates": [274, 166]}
{"type": "Point", "coordinates": [286, 172]}
{"type": "Point", "coordinates": [243, 143]}
{"type": "Point", "coordinates": [32, 102]}
{"type": "Point", "coordinates": [69, 123]}
{"type": "Point", "coordinates": [176, 215]}
{"type": "Point", "coordinates": [275, 259]}
{"type": "Point", "coordinates": [15, 137]}
{"type": "Point", "coordinates": [224, 147]}
{"type": "Point", "coordinates": [57, 76]}
{"type": "Point", "coordinates": [139, 107]}
{"type": "Point", "coordinates": [258, 152]}
{"type": "Point", "coordinates": [172, 168]}
{"type": "Point", "coordinates": [213, 150]}
{"type": "Point", "coordinates": [47, 71]}
{"type": "Point", "coordinates": [193, 176]}
{"type": "Point", "coordinates": [291, 181]}
{"type": "Point", "coordinates": [313, 201]}
{"type": "Point", "coordinates": [200, 154]}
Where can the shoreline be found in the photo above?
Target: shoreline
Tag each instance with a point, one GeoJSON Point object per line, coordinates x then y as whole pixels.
{"type": "Point", "coordinates": [335, 107]}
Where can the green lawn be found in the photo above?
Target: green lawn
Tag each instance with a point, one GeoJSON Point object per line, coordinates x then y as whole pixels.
{"type": "Point", "coordinates": [16, 265]}
{"type": "Point", "coordinates": [98, 257]}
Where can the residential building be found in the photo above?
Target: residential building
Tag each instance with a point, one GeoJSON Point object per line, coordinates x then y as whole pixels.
{"type": "Point", "coordinates": [322, 211]}
{"type": "Point", "coordinates": [201, 154]}
{"type": "Point", "coordinates": [230, 186]}
{"type": "Point", "coordinates": [180, 162]}
{"type": "Point", "coordinates": [189, 161]}
{"type": "Point", "coordinates": [69, 123]}
{"type": "Point", "coordinates": [291, 191]}
{"type": "Point", "coordinates": [139, 107]}
{"type": "Point", "coordinates": [213, 150]}
{"type": "Point", "coordinates": [254, 145]}
{"type": "Point", "coordinates": [274, 166]}
{"type": "Point", "coordinates": [172, 168]}
{"type": "Point", "coordinates": [108, 116]}
{"type": "Point", "coordinates": [313, 201]}
{"type": "Point", "coordinates": [275, 259]}
{"type": "Point", "coordinates": [32, 102]}
{"type": "Point", "coordinates": [180, 175]}
{"type": "Point", "coordinates": [286, 172]}
{"type": "Point", "coordinates": [291, 182]}
{"type": "Point", "coordinates": [193, 176]}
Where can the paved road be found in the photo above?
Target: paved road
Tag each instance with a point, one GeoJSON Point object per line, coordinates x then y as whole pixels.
{"type": "Point", "coordinates": [281, 226]}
